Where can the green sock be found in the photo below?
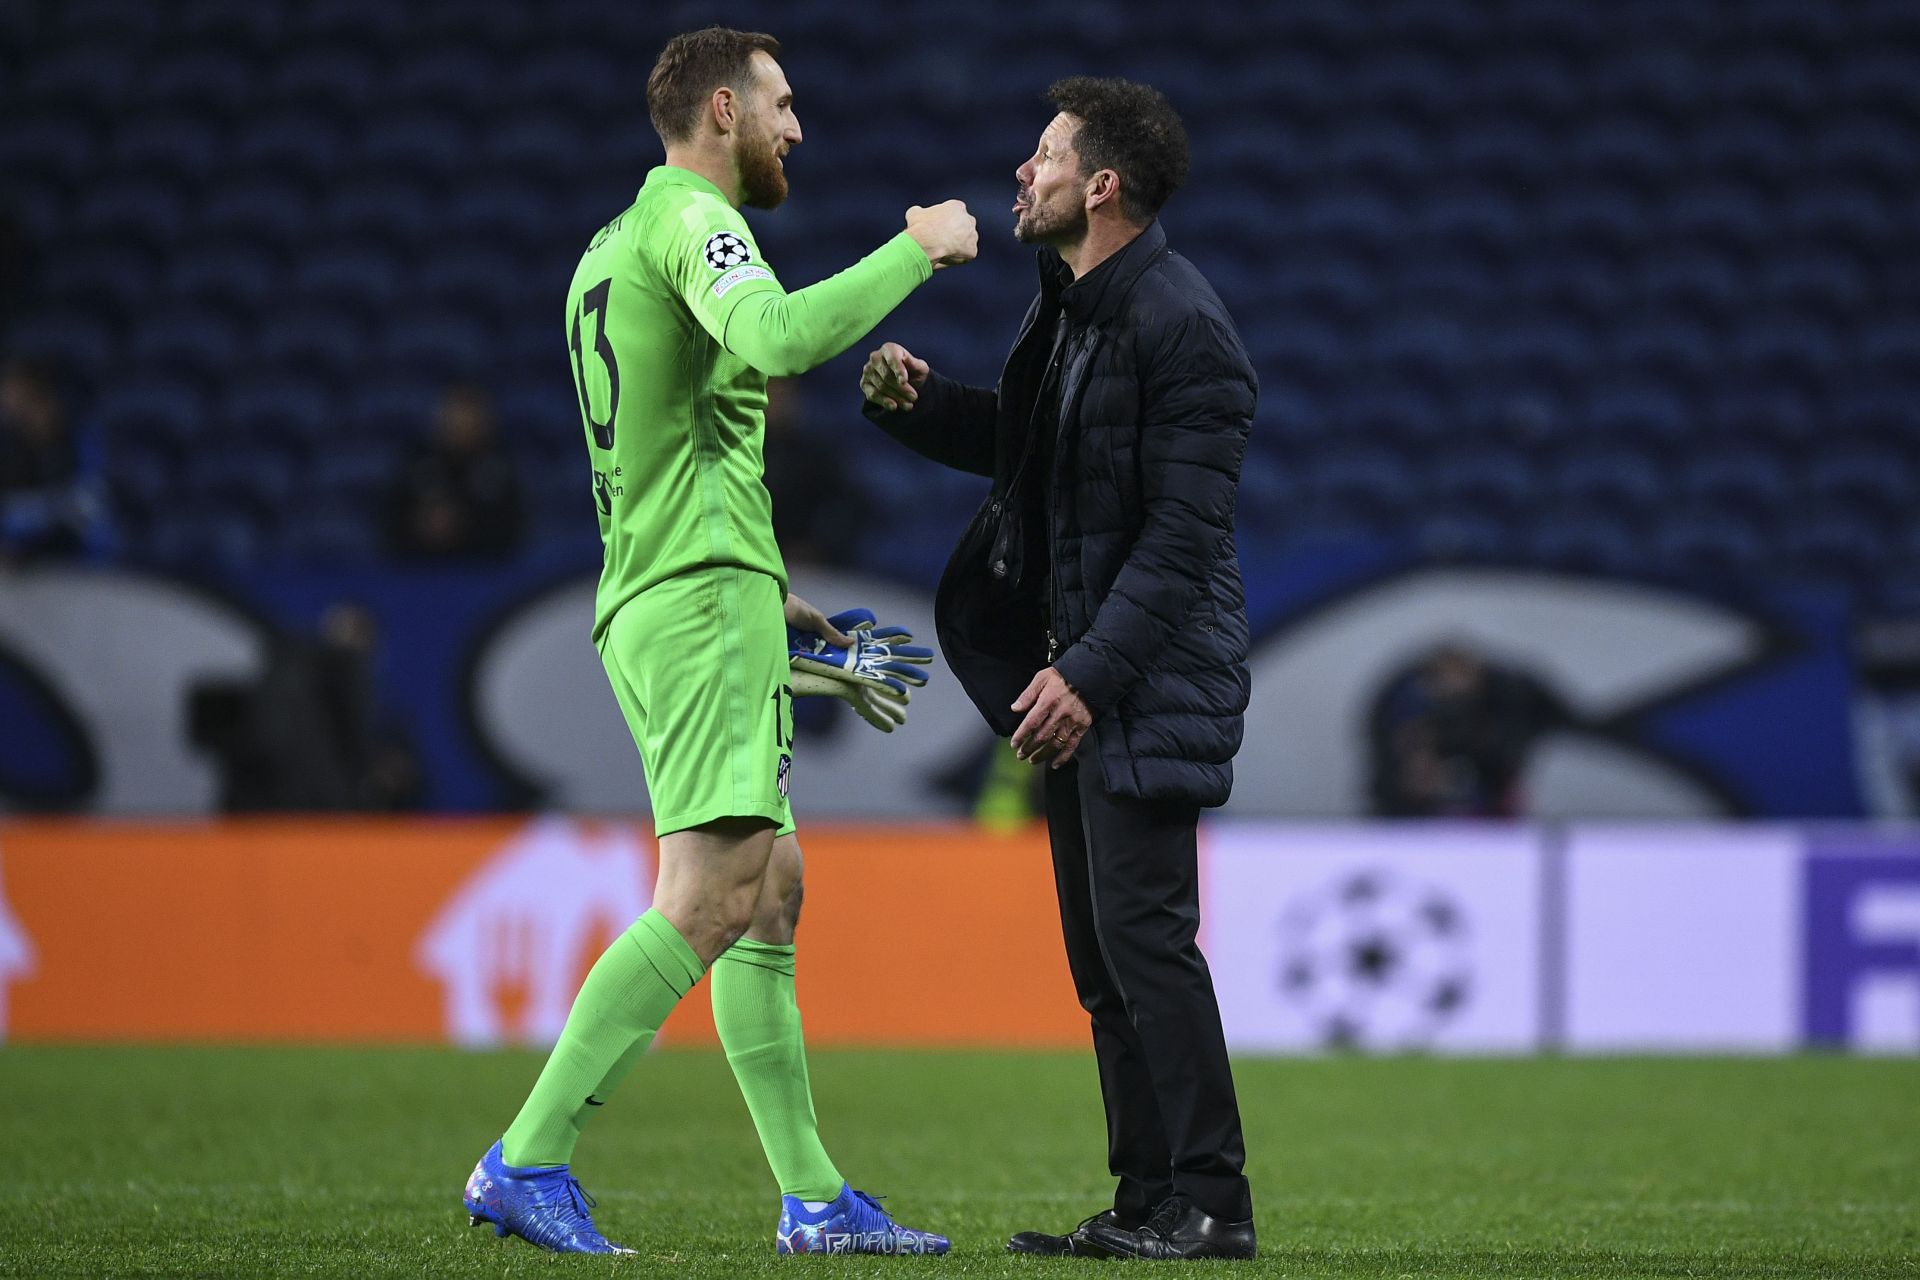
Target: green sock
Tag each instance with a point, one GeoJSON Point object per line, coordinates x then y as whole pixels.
{"type": "Point", "coordinates": [758, 1019]}
{"type": "Point", "coordinates": [629, 992]}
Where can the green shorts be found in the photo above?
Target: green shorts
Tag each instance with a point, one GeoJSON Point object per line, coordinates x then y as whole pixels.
{"type": "Point", "coordinates": [699, 666]}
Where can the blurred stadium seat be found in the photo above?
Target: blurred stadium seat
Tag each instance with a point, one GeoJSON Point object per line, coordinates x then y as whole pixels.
{"type": "Point", "coordinates": [1526, 283]}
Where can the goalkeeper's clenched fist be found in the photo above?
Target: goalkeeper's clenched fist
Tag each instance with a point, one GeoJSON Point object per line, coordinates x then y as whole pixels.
{"type": "Point", "coordinates": [872, 674]}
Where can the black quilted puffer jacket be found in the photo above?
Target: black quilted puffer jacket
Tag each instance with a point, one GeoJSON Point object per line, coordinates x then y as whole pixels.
{"type": "Point", "coordinates": [1119, 566]}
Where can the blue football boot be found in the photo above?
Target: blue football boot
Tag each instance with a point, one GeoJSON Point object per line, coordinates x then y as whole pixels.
{"type": "Point", "coordinates": [547, 1207]}
{"type": "Point", "coordinates": [853, 1222]}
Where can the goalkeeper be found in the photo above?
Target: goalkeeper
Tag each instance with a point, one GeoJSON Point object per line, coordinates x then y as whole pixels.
{"type": "Point", "coordinates": [674, 323]}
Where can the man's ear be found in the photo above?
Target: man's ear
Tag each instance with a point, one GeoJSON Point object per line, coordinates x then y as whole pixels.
{"type": "Point", "coordinates": [1102, 188]}
{"type": "Point", "coordinates": [723, 108]}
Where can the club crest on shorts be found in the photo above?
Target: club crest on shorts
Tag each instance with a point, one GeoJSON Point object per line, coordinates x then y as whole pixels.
{"type": "Point", "coordinates": [724, 249]}
{"type": "Point", "coordinates": [783, 773]}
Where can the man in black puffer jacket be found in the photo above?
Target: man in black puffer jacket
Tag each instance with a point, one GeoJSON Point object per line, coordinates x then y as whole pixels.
{"type": "Point", "coordinates": [1104, 561]}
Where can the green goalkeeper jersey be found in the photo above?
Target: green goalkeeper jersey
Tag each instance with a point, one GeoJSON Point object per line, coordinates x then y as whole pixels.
{"type": "Point", "coordinates": [674, 325]}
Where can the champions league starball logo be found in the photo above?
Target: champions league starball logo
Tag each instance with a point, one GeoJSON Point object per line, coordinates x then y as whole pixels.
{"type": "Point", "coordinates": [725, 249]}
{"type": "Point", "coordinates": [1373, 961]}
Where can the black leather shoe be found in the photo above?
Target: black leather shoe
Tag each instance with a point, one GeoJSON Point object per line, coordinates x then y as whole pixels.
{"type": "Point", "coordinates": [1072, 1245]}
{"type": "Point", "coordinates": [1178, 1229]}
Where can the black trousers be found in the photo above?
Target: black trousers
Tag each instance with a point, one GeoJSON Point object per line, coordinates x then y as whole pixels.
{"type": "Point", "coordinates": [1127, 872]}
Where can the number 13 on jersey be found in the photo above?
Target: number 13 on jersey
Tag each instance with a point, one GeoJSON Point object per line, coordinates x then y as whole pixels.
{"type": "Point", "coordinates": [593, 305]}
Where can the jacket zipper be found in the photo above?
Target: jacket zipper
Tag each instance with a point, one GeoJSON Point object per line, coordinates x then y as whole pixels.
{"type": "Point", "coordinates": [1053, 455]}
{"type": "Point", "coordinates": [1053, 575]}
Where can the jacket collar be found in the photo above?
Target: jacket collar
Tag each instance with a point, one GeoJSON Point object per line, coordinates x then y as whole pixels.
{"type": "Point", "coordinates": [1098, 295]}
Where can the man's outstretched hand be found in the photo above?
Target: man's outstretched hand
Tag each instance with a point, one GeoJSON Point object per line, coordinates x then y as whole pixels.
{"type": "Point", "coordinates": [893, 376]}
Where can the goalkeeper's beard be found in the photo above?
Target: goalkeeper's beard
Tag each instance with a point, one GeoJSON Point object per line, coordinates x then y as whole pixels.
{"type": "Point", "coordinates": [763, 182]}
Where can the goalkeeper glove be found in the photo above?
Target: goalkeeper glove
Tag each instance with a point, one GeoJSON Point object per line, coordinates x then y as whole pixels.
{"type": "Point", "coordinates": [880, 707]}
{"type": "Point", "coordinates": [871, 675]}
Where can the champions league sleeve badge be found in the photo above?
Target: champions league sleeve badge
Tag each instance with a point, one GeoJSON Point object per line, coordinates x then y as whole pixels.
{"type": "Point", "coordinates": [724, 249]}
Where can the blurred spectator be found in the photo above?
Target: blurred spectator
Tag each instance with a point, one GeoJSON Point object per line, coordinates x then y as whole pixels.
{"type": "Point", "coordinates": [1450, 737]}
{"type": "Point", "coordinates": [50, 503]}
{"type": "Point", "coordinates": [457, 494]}
{"type": "Point", "coordinates": [310, 735]}
{"type": "Point", "coordinates": [817, 503]}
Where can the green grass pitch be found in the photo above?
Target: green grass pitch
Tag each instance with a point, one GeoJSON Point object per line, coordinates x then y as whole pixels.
{"type": "Point", "coordinates": [350, 1162]}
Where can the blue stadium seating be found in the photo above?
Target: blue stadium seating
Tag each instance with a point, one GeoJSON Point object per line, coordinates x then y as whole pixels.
{"type": "Point", "coordinates": [306, 145]}
{"type": "Point", "coordinates": [198, 342]}
{"type": "Point", "coordinates": [55, 147]}
{"type": "Point", "coordinates": [115, 275]}
{"type": "Point", "coordinates": [237, 275]}
{"type": "Point", "coordinates": [324, 532]}
{"type": "Point", "coordinates": [1629, 289]}
{"type": "Point", "coordinates": [426, 144]}
{"type": "Point", "coordinates": [1463, 533]}
{"type": "Point", "coordinates": [126, 21]}
{"type": "Point", "coordinates": [197, 539]}
{"type": "Point", "coordinates": [1267, 492]}
{"type": "Point", "coordinates": [158, 410]}
{"type": "Point", "coordinates": [465, 77]}
{"type": "Point", "coordinates": [133, 212]}
{"type": "Point", "coordinates": [1749, 479]}
{"type": "Point", "coordinates": [317, 340]}
{"type": "Point", "coordinates": [274, 411]}
{"type": "Point", "coordinates": [349, 273]}
{"type": "Point", "coordinates": [389, 410]}
{"type": "Point", "coordinates": [446, 344]}
{"type": "Point", "coordinates": [1492, 481]}
{"type": "Point", "coordinates": [172, 145]}
{"type": "Point", "coordinates": [257, 485]}
{"type": "Point", "coordinates": [1610, 477]}
{"type": "Point", "coordinates": [1584, 540]}
{"type": "Point", "coordinates": [80, 337]}
{"type": "Point", "coordinates": [380, 210]}
{"type": "Point", "coordinates": [323, 77]}
{"type": "Point", "coordinates": [540, 146]}
{"type": "Point", "coordinates": [470, 273]}
{"type": "Point", "coordinates": [1373, 480]}
{"type": "Point", "coordinates": [210, 79]}
{"type": "Point", "coordinates": [264, 210]}
{"type": "Point", "coordinates": [349, 475]}
{"type": "Point", "coordinates": [1834, 544]}
{"type": "Point", "coordinates": [1708, 543]}
{"type": "Point", "coordinates": [246, 23]}
{"type": "Point", "coordinates": [144, 481]}
{"type": "Point", "coordinates": [1873, 480]}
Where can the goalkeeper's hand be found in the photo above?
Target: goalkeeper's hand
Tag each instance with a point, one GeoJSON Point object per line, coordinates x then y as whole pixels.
{"type": "Point", "coordinates": [872, 674]}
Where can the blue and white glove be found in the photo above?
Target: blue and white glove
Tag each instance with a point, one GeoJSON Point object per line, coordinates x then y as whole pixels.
{"type": "Point", "coordinates": [872, 675]}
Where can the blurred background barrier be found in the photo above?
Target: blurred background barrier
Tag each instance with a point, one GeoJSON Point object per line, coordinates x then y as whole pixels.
{"type": "Point", "coordinates": [478, 932]}
{"type": "Point", "coordinates": [1381, 686]}
{"type": "Point", "coordinates": [1453, 938]}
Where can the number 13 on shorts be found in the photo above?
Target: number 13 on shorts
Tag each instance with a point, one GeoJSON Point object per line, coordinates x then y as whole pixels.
{"type": "Point", "coordinates": [783, 735]}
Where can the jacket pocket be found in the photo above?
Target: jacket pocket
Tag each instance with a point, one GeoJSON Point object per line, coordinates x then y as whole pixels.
{"type": "Point", "coordinates": [1005, 550]}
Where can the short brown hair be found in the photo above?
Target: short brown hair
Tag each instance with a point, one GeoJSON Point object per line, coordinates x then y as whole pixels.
{"type": "Point", "coordinates": [692, 66]}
